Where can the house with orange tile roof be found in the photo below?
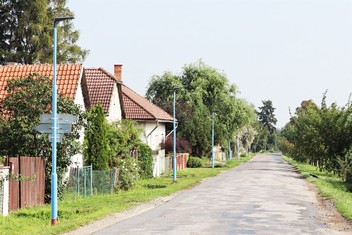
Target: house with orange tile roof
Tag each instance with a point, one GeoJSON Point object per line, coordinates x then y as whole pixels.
{"type": "Point", "coordinates": [69, 84]}
{"type": "Point", "coordinates": [103, 88]}
{"type": "Point", "coordinates": [150, 117]}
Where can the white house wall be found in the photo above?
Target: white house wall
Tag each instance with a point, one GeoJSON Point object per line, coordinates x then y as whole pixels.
{"type": "Point", "coordinates": [156, 136]}
{"type": "Point", "coordinates": [115, 107]}
{"type": "Point", "coordinates": [156, 132]}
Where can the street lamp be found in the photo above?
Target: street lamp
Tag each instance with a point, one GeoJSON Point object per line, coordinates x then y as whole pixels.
{"type": "Point", "coordinates": [54, 217]}
{"type": "Point", "coordinates": [174, 148]}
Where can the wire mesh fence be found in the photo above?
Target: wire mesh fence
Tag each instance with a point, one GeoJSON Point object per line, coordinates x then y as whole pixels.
{"type": "Point", "coordinates": [84, 181]}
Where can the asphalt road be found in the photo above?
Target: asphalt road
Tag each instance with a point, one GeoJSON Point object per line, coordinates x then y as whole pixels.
{"type": "Point", "coordinates": [262, 196]}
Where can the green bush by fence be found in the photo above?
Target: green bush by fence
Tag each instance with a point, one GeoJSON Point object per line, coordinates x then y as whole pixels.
{"type": "Point", "coordinates": [145, 161]}
{"type": "Point", "coordinates": [194, 162]}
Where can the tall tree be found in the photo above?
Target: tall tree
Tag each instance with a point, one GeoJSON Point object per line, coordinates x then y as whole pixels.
{"type": "Point", "coordinates": [266, 129]}
{"type": "Point", "coordinates": [97, 151]}
{"type": "Point", "coordinates": [26, 32]}
{"type": "Point", "coordinates": [266, 115]}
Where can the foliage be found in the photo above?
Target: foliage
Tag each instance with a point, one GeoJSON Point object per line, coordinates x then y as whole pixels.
{"type": "Point", "coordinates": [25, 101]}
{"type": "Point", "coordinates": [129, 172]}
{"type": "Point", "coordinates": [321, 136]}
{"type": "Point", "coordinates": [145, 161]}
{"type": "Point", "coordinates": [182, 145]}
{"type": "Point", "coordinates": [124, 143]}
{"type": "Point", "coordinates": [266, 138]}
{"type": "Point", "coordinates": [123, 139]}
{"type": "Point", "coordinates": [96, 152]}
{"type": "Point", "coordinates": [194, 162]}
{"type": "Point", "coordinates": [201, 90]}
{"type": "Point", "coordinates": [247, 135]}
{"type": "Point", "coordinates": [26, 32]}
{"type": "Point", "coordinates": [260, 143]}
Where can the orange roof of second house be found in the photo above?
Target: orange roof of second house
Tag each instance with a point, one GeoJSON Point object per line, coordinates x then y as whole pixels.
{"type": "Point", "coordinates": [139, 108]}
{"type": "Point", "coordinates": [100, 84]}
{"type": "Point", "coordinates": [68, 76]}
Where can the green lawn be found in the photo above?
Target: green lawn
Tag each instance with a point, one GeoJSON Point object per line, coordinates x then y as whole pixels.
{"type": "Point", "coordinates": [329, 185]}
{"type": "Point", "coordinates": [75, 212]}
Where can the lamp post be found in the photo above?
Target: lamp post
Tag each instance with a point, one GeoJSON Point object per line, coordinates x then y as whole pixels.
{"type": "Point", "coordinates": [212, 139]}
{"type": "Point", "coordinates": [174, 148]}
{"type": "Point", "coordinates": [54, 217]}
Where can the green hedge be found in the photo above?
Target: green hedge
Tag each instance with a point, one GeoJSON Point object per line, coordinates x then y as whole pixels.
{"type": "Point", "coordinates": [194, 162]}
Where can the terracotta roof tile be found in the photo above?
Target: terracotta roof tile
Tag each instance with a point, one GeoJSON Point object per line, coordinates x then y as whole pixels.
{"type": "Point", "coordinates": [139, 108]}
{"type": "Point", "coordinates": [100, 86]}
{"type": "Point", "coordinates": [71, 76]}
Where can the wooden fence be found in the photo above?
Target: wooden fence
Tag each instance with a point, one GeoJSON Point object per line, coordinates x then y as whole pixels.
{"type": "Point", "coordinates": [27, 181]}
{"type": "Point", "coordinates": [181, 161]}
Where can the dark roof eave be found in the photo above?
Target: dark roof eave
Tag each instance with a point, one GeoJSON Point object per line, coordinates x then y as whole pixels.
{"type": "Point", "coordinates": [157, 120]}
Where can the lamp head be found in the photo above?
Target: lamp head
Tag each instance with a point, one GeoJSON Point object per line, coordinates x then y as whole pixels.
{"type": "Point", "coordinates": [62, 18]}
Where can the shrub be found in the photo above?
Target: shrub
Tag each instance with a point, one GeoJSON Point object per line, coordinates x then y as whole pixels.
{"type": "Point", "coordinates": [194, 162]}
{"type": "Point", "coordinates": [182, 145]}
{"type": "Point", "coordinates": [128, 172]}
{"type": "Point", "coordinates": [145, 161]}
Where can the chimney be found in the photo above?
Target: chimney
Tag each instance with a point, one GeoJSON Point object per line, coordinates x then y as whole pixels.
{"type": "Point", "coordinates": [118, 72]}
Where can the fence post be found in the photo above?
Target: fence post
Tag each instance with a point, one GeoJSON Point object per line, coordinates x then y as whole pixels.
{"type": "Point", "coordinates": [85, 181]}
{"type": "Point", "coordinates": [4, 190]}
{"type": "Point", "coordinates": [91, 180]}
{"type": "Point", "coordinates": [78, 187]}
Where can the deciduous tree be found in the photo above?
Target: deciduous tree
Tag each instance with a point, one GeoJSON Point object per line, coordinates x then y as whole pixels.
{"type": "Point", "coordinates": [321, 136]}
{"type": "Point", "coordinates": [201, 90]}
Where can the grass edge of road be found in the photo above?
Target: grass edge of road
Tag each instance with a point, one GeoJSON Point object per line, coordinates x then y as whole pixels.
{"type": "Point", "coordinates": [330, 186]}
{"type": "Point", "coordinates": [75, 212]}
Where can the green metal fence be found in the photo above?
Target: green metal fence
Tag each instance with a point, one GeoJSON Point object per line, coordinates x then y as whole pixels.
{"type": "Point", "coordinates": [86, 182]}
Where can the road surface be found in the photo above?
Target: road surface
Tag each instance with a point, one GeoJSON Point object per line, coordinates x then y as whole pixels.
{"type": "Point", "coordinates": [262, 196]}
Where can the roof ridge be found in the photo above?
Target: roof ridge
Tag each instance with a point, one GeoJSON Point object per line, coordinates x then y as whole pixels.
{"type": "Point", "coordinates": [45, 64]}
{"type": "Point", "coordinates": [107, 73]}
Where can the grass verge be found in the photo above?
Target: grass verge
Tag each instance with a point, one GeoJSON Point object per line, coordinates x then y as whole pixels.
{"type": "Point", "coordinates": [329, 185]}
{"type": "Point", "coordinates": [76, 212]}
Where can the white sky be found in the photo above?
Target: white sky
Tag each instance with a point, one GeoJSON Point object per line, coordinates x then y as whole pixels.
{"type": "Point", "coordinates": [282, 50]}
